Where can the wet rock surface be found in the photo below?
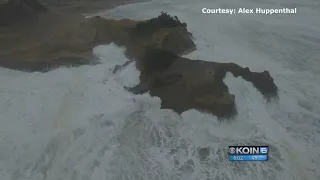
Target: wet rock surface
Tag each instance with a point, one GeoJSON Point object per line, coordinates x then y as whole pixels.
{"type": "Point", "coordinates": [184, 84]}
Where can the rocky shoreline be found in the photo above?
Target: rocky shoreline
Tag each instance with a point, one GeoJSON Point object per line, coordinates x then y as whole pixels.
{"type": "Point", "coordinates": [48, 39]}
{"type": "Point", "coordinates": [184, 84]}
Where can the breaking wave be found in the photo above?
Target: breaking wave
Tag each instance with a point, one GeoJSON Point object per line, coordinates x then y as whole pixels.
{"type": "Point", "coordinates": [80, 124]}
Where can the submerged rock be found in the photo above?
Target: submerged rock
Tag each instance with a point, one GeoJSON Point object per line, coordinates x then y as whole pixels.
{"type": "Point", "coordinates": [184, 84]}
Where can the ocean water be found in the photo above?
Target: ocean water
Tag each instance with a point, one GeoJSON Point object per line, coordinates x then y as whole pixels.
{"type": "Point", "coordinates": [80, 124]}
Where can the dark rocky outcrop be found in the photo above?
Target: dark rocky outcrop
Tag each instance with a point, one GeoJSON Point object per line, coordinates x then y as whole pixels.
{"type": "Point", "coordinates": [151, 26]}
{"type": "Point", "coordinates": [184, 84]}
{"type": "Point", "coordinates": [164, 32]}
{"type": "Point", "coordinates": [54, 39]}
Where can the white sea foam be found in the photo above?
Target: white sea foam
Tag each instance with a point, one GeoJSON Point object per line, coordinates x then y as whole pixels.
{"type": "Point", "coordinates": [80, 124]}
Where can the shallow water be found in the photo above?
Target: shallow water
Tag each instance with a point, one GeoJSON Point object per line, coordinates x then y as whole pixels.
{"type": "Point", "coordinates": [80, 124]}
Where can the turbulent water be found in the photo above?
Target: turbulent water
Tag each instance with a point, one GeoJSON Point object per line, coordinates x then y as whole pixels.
{"type": "Point", "coordinates": [80, 124]}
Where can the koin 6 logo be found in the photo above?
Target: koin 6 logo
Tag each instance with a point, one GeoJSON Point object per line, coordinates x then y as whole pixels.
{"type": "Point", "coordinates": [264, 150]}
{"type": "Point", "coordinates": [248, 150]}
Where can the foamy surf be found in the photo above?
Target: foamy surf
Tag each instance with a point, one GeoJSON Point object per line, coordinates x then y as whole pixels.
{"type": "Point", "coordinates": [79, 123]}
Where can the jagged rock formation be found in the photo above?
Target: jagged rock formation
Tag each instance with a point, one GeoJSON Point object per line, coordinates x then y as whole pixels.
{"type": "Point", "coordinates": [55, 39]}
{"type": "Point", "coordinates": [163, 32]}
{"type": "Point", "coordinates": [184, 84]}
